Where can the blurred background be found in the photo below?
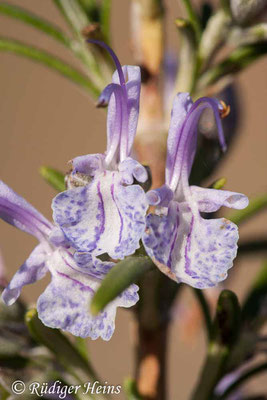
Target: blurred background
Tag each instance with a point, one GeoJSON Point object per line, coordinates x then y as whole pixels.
{"type": "Point", "coordinates": [45, 120]}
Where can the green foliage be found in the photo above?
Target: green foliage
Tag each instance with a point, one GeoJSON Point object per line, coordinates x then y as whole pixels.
{"type": "Point", "coordinates": [121, 276]}
{"type": "Point", "coordinates": [37, 22]}
{"type": "Point", "coordinates": [54, 178]}
{"type": "Point", "coordinates": [65, 352]}
{"type": "Point", "coordinates": [131, 390]}
{"type": "Point", "coordinates": [49, 60]}
{"type": "Point", "coordinates": [253, 311]}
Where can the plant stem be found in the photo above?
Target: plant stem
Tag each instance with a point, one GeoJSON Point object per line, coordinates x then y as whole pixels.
{"type": "Point", "coordinates": [211, 372]}
{"type": "Point", "coordinates": [151, 362]}
{"type": "Point", "coordinates": [205, 310]}
{"type": "Point", "coordinates": [193, 17]}
{"type": "Point", "coordinates": [157, 293]}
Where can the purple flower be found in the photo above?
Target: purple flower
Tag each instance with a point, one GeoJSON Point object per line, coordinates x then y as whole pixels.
{"type": "Point", "coordinates": [65, 302]}
{"type": "Point", "coordinates": [185, 246]}
{"type": "Point", "coordinates": [104, 211]}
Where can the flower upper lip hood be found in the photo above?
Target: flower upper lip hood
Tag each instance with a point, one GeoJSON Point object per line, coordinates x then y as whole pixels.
{"type": "Point", "coordinates": [107, 213]}
{"type": "Point", "coordinates": [65, 302]}
{"type": "Point", "coordinates": [185, 246]}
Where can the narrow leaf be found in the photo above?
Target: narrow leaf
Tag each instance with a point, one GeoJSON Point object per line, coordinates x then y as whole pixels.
{"type": "Point", "coordinates": [105, 19]}
{"type": "Point", "coordinates": [35, 21]}
{"type": "Point", "coordinates": [131, 390]}
{"type": "Point", "coordinates": [205, 311]}
{"type": "Point", "coordinates": [74, 14]}
{"type": "Point", "coordinates": [118, 279]}
{"type": "Point", "coordinates": [238, 60]}
{"type": "Point", "coordinates": [255, 206]}
{"type": "Point", "coordinates": [226, 331]}
{"type": "Point", "coordinates": [65, 352]}
{"type": "Point", "coordinates": [256, 299]}
{"type": "Point", "coordinates": [78, 21]}
{"type": "Point", "coordinates": [227, 319]}
{"type": "Point", "coordinates": [54, 177]}
{"type": "Point", "coordinates": [218, 184]}
{"type": "Point", "coordinates": [49, 60]}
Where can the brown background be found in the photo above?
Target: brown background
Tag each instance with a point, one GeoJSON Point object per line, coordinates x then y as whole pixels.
{"type": "Point", "coordinates": [45, 120]}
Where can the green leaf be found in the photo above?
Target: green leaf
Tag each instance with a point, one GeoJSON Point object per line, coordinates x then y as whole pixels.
{"type": "Point", "coordinates": [255, 206]}
{"type": "Point", "coordinates": [131, 390]}
{"type": "Point", "coordinates": [205, 311]}
{"type": "Point", "coordinates": [218, 184]}
{"type": "Point", "coordinates": [118, 279]}
{"type": "Point", "coordinates": [91, 8]}
{"type": "Point", "coordinates": [226, 331]}
{"type": "Point", "coordinates": [35, 21]}
{"type": "Point", "coordinates": [227, 320]}
{"type": "Point", "coordinates": [54, 177]}
{"type": "Point", "coordinates": [49, 60]}
{"type": "Point", "coordinates": [74, 14]}
{"type": "Point", "coordinates": [64, 351]}
{"type": "Point", "coordinates": [238, 60]}
{"type": "Point", "coordinates": [4, 393]}
{"type": "Point", "coordinates": [78, 20]}
{"type": "Point", "coordinates": [105, 19]}
{"type": "Point", "coordinates": [192, 17]}
{"type": "Point", "coordinates": [256, 299]}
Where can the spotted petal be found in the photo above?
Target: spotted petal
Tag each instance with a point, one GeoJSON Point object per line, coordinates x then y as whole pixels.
{"type": "Point", "coordinates": [189, 248]}
{"type": "Point", "coordinates": [31, 271]}
{"type": "Point", "coordinates": [65, 302]}
{"type": "Point", "coordinates": [211, 200]}
{"type": "Point", "coordinates": [103, 217]}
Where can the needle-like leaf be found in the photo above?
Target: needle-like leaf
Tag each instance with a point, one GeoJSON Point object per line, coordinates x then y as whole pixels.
{"type": "Point", "coordinates": [54, 177]}
{"type": "Point", "coordinates": [118, 279]}
{"type": "Point", "coordinates": [37, 22]}
{"type": "Point", "coordinates": [51, 61]}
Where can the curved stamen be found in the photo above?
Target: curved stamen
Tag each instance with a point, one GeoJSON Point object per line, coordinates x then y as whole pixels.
{"type": "Point", "coordinates": [123, 107]}
{"type": "Point", "coordinates": [113, 56]}
{"type": "Point", "coordinates": [184, 160]}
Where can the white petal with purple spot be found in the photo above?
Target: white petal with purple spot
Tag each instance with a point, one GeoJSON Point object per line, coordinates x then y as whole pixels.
{"type": "Point", "coordinates": [103, 217]}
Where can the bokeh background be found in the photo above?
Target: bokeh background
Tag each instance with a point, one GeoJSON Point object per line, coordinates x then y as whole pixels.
{"type": "Point", "coordinates": [45, 120]}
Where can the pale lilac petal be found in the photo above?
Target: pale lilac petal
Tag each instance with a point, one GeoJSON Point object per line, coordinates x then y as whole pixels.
{"type": "Point", "coordinates": [65, 303]}
{"type": "Point", "coordinates": [93, 265]}
{"type": "Point", "coordinates": [88, 164]}
{"type": "Point", "coordinates": [133, 87]}
{"type": "Point", "coordinates": [211, 200]}
{"type": "Point", "coordinates": [160, 237]}
{"type": "Point", "coordinates": [31, 271]}
{"type": "Point", "coordinates": [57, 238]}
{"type": "Point", "coordinates": [19, 213]}
{"type": "Point", "coordinates": [132, 169]}
{"type": "Point", "coordinates": [105, 95]}
{"type": "Point", "coordinates": [182, 141]}
{"type": "Point", "coordinates": [160, 197]}
{"type": "Point", "coordinates": [181, 106]}
{"type": "Point", "coordinates": [117, 122]}
{"type": "Point", "coordinates": [189, 248]}
{"type": "Point", "coordinates": [102, 217]}
{"type": "Point", "coordinates": [132, 76]}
